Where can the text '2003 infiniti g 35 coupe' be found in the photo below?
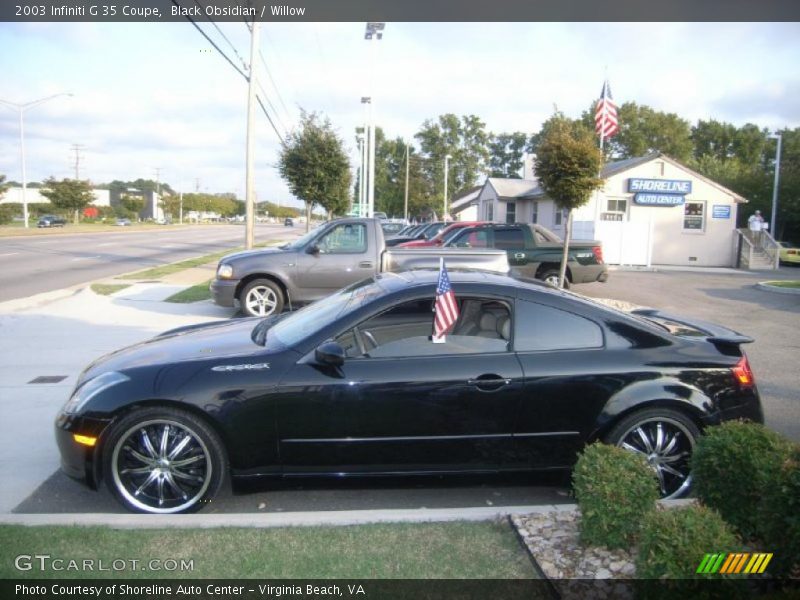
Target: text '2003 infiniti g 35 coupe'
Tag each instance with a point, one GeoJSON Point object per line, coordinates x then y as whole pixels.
{"type": "Point", "coordinates": [354, 385]}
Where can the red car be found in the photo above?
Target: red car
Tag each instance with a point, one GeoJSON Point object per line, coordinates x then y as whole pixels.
{"type": "Point", "coordinates": [442, 237]}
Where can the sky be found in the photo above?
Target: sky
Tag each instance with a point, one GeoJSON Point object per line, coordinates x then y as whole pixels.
{"type": "Point", "coordinates": [150, 96]}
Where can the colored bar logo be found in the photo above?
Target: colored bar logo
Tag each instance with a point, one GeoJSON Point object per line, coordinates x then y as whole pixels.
{"type": "Point", "coordinates": [734, 563]}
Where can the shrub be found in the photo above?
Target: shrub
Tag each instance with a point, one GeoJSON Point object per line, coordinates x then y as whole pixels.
{"type": "Point", "coordinates": [614, 488]}
{"type": "Point", "coordinates": [672, 544]}
{"type": "Point", "coordinates": [7, 213]}
{"type": "Point", "coordinates": [732, 465]}
{"type": "Point", "coordinates": [780, 516]}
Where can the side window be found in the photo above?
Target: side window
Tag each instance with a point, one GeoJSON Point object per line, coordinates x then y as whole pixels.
{"type": "Point", "coordinates": [509, 239]}
{"type": "Point", "coordinates": [472, 238]}
{"type": "Point", "coordinates": [511, 212]}
{"type": "Point", "coordinates": [539, 327]}
{"type": "Point", "coordinates": [347, 238]}
{"type": "Point", "coordinates": [483, 326]}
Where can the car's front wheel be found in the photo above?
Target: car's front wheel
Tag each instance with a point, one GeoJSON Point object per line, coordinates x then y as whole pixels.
{"type": "Point", "coordinates": [163, 460]}
{"type": "Point", "coordinates": [552, 277]}
{"type": "Point", "coordinates": [666, 439]}
{"type": "Point", "coordinates": [261, 298]}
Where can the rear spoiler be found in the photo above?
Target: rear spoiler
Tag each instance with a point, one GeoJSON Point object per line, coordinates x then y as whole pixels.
{"type": "Point", "coordinates": [716, 334]}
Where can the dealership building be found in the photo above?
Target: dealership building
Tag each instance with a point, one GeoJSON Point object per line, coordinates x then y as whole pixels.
{"type": "Point", "coordinates": [650, 210]}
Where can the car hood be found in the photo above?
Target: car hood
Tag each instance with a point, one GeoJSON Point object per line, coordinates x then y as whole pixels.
{"type": "Point", "coordinates": [244, 254]}
{"type": "Point", "coordinates": [213, 341]}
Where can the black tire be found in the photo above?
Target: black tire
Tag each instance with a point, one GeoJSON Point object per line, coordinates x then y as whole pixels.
{"type": "Point", "coordinates": [180, 470]}
{"type": "Point", "coordinates": [552, 276]}
{"type": "Point", "coordinates": [670, 454]}
{"type": "Point", "coordinates": [261, 298]}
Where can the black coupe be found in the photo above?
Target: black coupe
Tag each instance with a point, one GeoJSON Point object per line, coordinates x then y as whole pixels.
{"type": "Point", "coordinates": [353, 385]}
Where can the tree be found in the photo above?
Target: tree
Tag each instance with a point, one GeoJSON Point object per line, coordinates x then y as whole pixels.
{"type": "Point", "coordinates": [3, 186]}
{"type": "Point", "coordinates": [133, 205]}
{"type": "Point", "coordinates": [6, 211]}
{"type": "Point", "coordinates": [568, 162]}
{"type": "Point", "coordinates": [68, 194]}
{"type": "Point", "coordinates": [506, 154]}
{"type": "Point", "coordinates": [314, 164]}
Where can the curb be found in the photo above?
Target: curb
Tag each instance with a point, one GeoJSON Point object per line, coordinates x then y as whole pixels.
{"type": "Point", "coordinates": [288, 519]}
{"type": "Point", "coordinates": [41, 299]}
{"type": "Point", "coordinates": [763, 285]}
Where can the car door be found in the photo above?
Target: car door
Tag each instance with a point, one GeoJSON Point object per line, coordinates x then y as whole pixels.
{"type": "Point", "coordinates": [401, 403]}
{"type": "Point", "coordinates": [568, 378]}
{"type": "Point", "coordinates": [512, 240]}
{"type": "Point", "coordinates": [342, 257]}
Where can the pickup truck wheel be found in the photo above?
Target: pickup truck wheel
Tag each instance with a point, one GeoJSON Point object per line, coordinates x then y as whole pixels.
{"type": "Point", "coordinates": [551, 277]}
{"type": "Point", "coordinates": [261, 298]}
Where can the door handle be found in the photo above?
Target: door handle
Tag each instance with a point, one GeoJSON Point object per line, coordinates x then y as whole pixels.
{"type": "Point", "coordinates": [489, 383]}
{"type": "Point", "coordinates": [365, 264]}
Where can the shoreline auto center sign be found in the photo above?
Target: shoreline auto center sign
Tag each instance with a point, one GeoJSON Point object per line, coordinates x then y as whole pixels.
{"type": "Point", "coordinates": [659, 192]}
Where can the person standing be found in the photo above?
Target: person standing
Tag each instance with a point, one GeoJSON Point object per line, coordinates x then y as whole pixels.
{"type": "Point", "coordinates": [756, 224]}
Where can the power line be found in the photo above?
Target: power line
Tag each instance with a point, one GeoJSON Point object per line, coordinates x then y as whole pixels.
{"type": "Point", "coordinates": [225, 37]}
{"type": "Point", "coordinates": [266, 97]}
{"type": "Point", "coordinates": [277, 91]}
{"type": "Point", "coordinates": [275, 129]}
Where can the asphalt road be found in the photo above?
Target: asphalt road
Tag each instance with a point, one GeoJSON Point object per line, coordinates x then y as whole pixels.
{"type": "Point", "coordinates": [41, 263]}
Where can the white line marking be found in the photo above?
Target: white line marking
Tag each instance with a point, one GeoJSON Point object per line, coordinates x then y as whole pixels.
{"type": "Point", "coordinates": [10, 254]}
{"type": "Point", "coordinates": [85, 258]}
{"type": "Point", "coordinates": [107, 244]}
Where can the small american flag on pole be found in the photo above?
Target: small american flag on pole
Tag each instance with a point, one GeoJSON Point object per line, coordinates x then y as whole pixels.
{"type": "Point", "coordinates": [445, 307]}
{"type": "Point", "coordinates": [605, 115]}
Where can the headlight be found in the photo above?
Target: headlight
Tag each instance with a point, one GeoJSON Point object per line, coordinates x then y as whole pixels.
{"type": "Point", "coordinates": [224, 272]}
{"type": "Point", "coordinates": [91, 388]}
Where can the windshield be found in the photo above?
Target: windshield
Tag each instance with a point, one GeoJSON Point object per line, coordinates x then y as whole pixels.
{"type": "Point", "coordinates": [449, 235]}
{"type": "Point", "coordinates": [299, 325]}
{"type": "Point", "coordinates": [301, 241]}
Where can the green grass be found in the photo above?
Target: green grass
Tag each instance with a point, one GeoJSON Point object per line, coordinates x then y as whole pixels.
{"type": "Point", "coordinates": [196, 293]}
{"type": "Point", "coordinates": [459, 550]}
{"type": "Point", "coordinates": [106, 289]}
{"type": "Point", "coordinates": [792, 283]}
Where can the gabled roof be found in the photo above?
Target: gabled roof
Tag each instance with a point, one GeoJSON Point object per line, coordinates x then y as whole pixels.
{"type": "Point", "coordinates": [514, 188]}
{"type": "Point", "coordinates": [462, 200]}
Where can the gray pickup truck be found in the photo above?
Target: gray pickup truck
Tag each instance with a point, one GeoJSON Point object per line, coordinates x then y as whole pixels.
{"type": "Point", "coordinates": [336, 254]}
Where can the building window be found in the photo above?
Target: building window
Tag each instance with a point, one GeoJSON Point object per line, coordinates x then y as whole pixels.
{"type": "Point", "coordinates": [560, 214]}
{"type": "Point", "coordinates": [694, 216]}
{"type": "Point", "coordinates": [615, 210]}
{"type": "Point", "coordinates": [490, 211]}
{"type": "Point", "coordinates": [511, 212]}
{"type": "Point", "coordinates": [535, 213]}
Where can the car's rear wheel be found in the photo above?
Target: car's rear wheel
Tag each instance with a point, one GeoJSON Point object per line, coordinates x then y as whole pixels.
{"type": "Point", "coordinates": [261, 298]}
{"type": "Point", "coordinates": [551, 277]}
{"type": "Point", "coordinates": [163, 460]}
{"type": "Point", "coordinates": [666, 439]}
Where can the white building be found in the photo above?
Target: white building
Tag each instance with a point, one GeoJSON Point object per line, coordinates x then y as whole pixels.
{"type": "Point", "coordinates": [650, 210]}
{"type": "Point", "coordinates": [33, 196]}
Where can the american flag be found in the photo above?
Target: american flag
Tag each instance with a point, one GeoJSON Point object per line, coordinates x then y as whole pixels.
{"type": "Point", "coordinates": [605, 116]}
{"type": "Point", "coordinates": [445, 307]}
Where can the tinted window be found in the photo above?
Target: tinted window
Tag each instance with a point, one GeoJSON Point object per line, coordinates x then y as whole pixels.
{"type": "Point", "coordinates": [472, 238]}
{"type": "Point", "coordinates": [509, 239]}
{"type": "Point", "coordinates": [540, 327]}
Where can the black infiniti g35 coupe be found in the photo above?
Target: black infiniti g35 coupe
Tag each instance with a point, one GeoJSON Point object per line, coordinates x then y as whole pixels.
{"type": "Point", "coordinates": [354, 385]}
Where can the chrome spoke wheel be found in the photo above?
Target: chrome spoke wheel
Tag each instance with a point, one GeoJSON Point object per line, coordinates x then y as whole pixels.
{"type": "Point", "coordinates": [161, 466]}
{"type": "Point", "coordinates": [261, 301]}
{"type": "Point", "coordinates": [667, 445]}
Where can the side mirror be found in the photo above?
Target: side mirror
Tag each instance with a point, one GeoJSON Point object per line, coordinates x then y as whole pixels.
{"type": "Point", "coordinates": [330, 353]}
{"type": "Point", "coordinates": [312, 249]}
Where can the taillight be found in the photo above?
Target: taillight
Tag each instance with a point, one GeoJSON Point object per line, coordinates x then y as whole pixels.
{"type": "Point", "coordinates": [598, 253]}
{"type": "Point", "coordinates": [743, 373]}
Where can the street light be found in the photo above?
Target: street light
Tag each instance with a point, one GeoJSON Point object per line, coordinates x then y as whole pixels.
{"type": "Point", "coordinates": [775, 136]}
{"type": "Point", "coordinates": [446, 163]}
{"type": "Point", "coordinates": [22, 108]}
{"type": "Point", "coordinates": [372, 33]}
{"type": "Point", "coordinates": [365, 157]}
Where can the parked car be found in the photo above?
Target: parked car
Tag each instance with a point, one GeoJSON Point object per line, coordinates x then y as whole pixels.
{"type": "Point", "coordinates": [441, 238]}
{"type": "Point", "coordinates": [391, 228]}
{"type": "Point", "coordinates": [51, 221]}
{"type": "Point", "coordinates": [288, 222]}
{"type": "Point", "coordinates": [380, 215]}
{"type": "Point", "coordinates": [353, 385]}
{"type": "Point", "coordinates": [423, 232]}
{"type": "Point", "coordinates": [123, 222]}
{"type": "Point", "coordinates": [535, 251]}
{"type": "Point", "coordinates": [337, 253]}
{"type": "Point", "coordinates": [789, 253]}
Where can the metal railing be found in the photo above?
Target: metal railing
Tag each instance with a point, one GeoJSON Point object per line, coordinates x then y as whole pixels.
{"type": "Point", "coordinates": [755, 243]}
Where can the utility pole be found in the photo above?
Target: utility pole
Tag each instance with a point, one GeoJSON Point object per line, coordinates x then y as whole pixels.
{"type": "Point", "coordinates": [250, 204]}
{"type": "Point", "coordinates": [374, 32]}
{"type": "Point", "coordinates": [365, 159]}
{"type": "Point", "coordinates": [774, 216]}
{"type": "Point", "coordinates": [446, 164]}
{"type": "Point", "coordinates": [196, 185]}
{"type": "Point", "coordinates": [77, 148]}
{"type": "Point", "coordinates": [405, 203]}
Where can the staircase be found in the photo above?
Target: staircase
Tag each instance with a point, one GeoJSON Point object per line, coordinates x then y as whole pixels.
{"type": "Point", "coordinates": [756, 253]}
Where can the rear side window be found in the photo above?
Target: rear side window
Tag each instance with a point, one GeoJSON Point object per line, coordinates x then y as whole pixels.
{"type": "Point", "coordinates": [539, 327]}
{"type": "Point", "coordinates": [509, 239]}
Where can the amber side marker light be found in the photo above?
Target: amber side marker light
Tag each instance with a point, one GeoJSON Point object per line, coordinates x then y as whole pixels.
{"type": "Point", "coordinates": [86, 440]}
{"type": "Point", "coordinates": [742, 372]}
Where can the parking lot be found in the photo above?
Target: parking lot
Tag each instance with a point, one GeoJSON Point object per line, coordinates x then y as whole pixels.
{"type": "Point", "coordinates": [727, 297]}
